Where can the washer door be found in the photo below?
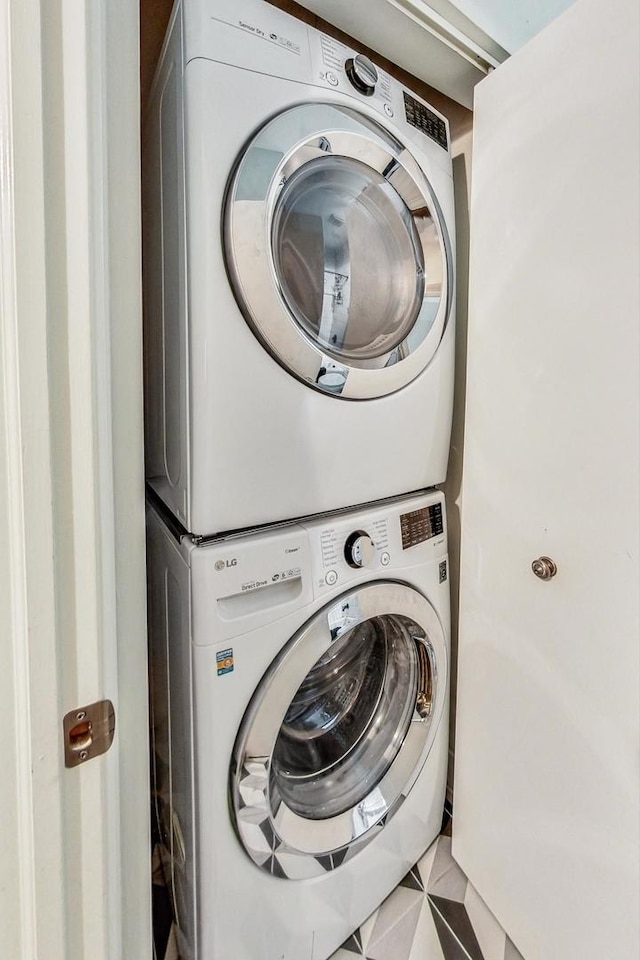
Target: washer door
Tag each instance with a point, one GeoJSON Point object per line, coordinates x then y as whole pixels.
{"type": "Point", "coordinates": [337, 252]}
{"type": "Point", "coordinates": [338, 730]}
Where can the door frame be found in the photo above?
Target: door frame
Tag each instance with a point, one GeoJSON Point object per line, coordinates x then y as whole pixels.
{"type": "Point", "coordinates": [75, 872]}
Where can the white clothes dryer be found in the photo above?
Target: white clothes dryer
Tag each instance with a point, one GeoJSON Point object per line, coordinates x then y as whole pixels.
{"type": "Point", "coordinates": [298, 233]}
{"type": "Point", "coordinates": [300, 688]}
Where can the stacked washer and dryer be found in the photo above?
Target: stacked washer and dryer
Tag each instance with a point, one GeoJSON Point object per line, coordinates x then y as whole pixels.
{"type": "Point", "coordinates": [298, 224]}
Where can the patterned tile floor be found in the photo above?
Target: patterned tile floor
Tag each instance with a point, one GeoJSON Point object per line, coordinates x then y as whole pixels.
{"type": "Point", "coordinates": [434, 914]}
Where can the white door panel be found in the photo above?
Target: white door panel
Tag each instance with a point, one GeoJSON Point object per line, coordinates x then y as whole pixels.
{"type": "Point", "coordinates": [75, 865]}
{"type": "Point", "coordinates": [546, 784]}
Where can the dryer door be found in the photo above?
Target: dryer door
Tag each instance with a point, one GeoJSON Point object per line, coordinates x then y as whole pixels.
{"type": "Point", "coordinates": [337, 251]}
{"type": "Point", "coordinates": [338, 730]}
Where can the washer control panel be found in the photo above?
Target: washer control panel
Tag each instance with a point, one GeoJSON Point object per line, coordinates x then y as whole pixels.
{"type": "Point", "coordinates": [359, 550]}
{"type": "Point", "coordinates": [351, 546]}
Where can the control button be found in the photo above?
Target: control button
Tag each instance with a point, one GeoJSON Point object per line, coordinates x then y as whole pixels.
{"type": "Point", "coordinates": [362, 74]}
{"type": "Point", "coordinates": [385, 559]}
{"type": "Point", "coordinates": [359, 550]}
{"type": "Point", "coordinates": [331, 78]}
{"type": "Point", "coordinates": [388, 109]}
{"type": "Point", "coordinates": [331, 578]}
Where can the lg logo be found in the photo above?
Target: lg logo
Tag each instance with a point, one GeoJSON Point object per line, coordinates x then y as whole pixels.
{"type": "Point", "coordinates": [223, 564]}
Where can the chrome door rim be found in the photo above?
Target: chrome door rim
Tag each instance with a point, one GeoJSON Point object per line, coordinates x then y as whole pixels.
{"type": "Point", "coordinates": [280, 841]}
{"type": "Point", "coordinates": [251, 269]}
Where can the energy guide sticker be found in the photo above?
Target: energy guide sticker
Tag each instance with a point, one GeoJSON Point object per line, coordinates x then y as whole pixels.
{"type": "Point", "coordinates": [224, 661]}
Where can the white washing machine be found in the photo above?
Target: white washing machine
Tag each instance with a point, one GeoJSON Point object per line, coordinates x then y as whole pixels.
{"type": "Point", "coordinates": [300, 687]}
{"type": "Point", "coordinates": [298, 216]}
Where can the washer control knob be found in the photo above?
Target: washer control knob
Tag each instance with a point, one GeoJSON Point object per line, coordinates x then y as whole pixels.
{"type": "Point", "coordinates": [359, 550]}
{"type": "Point", "coordinates": [362, 74]}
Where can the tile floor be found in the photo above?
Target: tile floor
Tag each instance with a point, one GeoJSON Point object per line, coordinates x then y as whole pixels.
{"type": "Point", "coordinates": [434, 914]}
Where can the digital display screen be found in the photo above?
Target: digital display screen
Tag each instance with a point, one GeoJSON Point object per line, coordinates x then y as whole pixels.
{"type": "Point", "coordinates": [426, 120]}
{"type": "Point", "coordinates": [420, 525]}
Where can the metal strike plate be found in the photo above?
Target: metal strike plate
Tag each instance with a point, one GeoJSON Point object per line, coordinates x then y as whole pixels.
{"type": "Point", "coordinates": [88, 732]}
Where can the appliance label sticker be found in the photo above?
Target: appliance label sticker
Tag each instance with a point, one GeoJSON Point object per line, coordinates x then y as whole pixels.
{"type": "Point", "coordinates": [289, 574]}
{"type": "Point", "coordinates": [224, 661]}
{"type": "Point", "coordinates": [286, 42]}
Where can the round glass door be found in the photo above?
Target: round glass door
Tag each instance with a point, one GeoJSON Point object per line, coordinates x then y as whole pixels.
{"type": "Point", "coordinates": [337, 252]}
{"type": "Point", "coordinates": [338, 730]}
{"type": "Point", "coordinates": [335, 223]}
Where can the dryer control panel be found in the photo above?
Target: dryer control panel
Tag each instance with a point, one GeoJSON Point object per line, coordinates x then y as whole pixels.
{"type": "Point", "coordinates": [344, 70]}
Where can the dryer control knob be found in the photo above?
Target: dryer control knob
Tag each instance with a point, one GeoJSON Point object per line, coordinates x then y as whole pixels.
{"type": "Point", "coordinates": [359, 550]}
{"type": "Point", "coordinates": [362, 74]}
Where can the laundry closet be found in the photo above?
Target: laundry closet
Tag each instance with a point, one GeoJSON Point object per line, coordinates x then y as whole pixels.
{"type": "Point", "coordinates": [527, 525]}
